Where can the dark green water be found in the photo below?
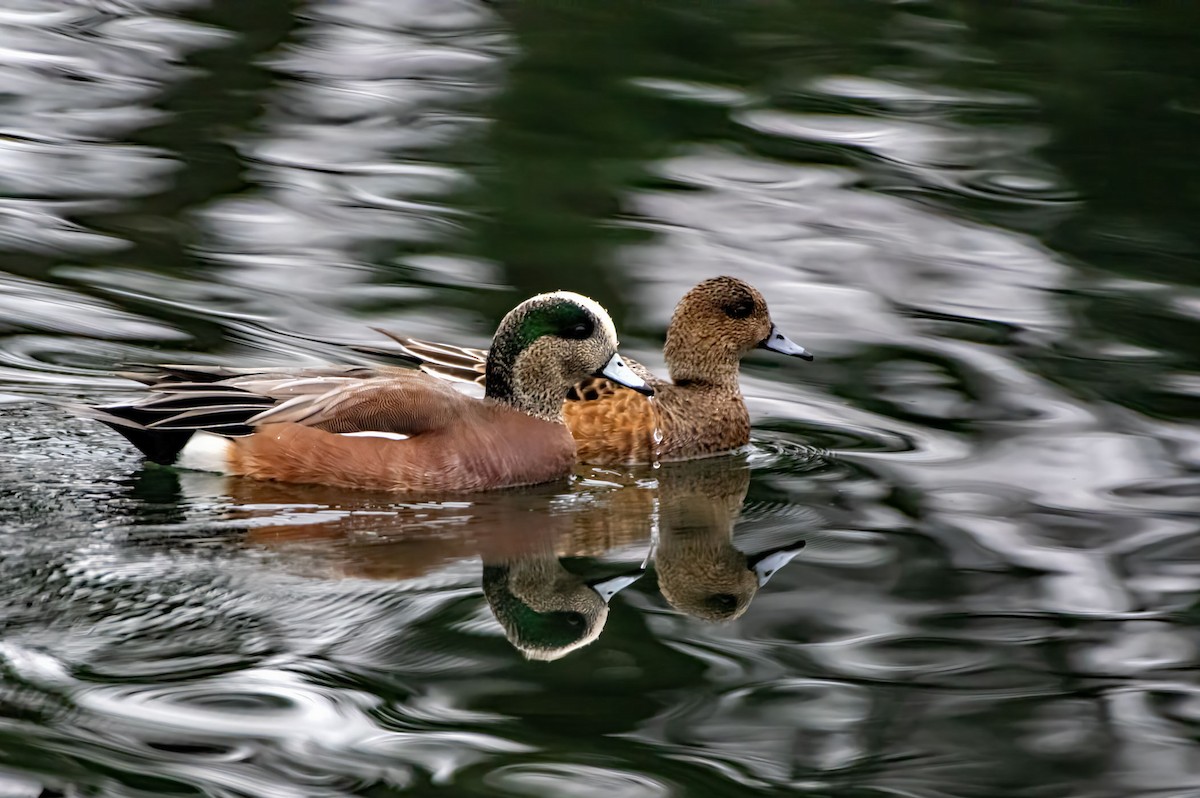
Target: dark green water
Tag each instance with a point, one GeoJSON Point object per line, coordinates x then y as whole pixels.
{"type": "Point", "coordinates": [982, 217]}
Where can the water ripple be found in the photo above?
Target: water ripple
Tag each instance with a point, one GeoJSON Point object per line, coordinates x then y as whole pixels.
{"type": "Point", "coordinates": [574, 780]}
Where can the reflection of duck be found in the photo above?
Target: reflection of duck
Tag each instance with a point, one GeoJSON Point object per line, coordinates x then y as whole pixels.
{"type": "Point", "coordinates": [545, 610]}
{"type": "Point", "coordinates": [700, 571]}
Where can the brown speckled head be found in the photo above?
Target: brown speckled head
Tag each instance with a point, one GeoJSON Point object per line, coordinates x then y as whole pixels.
{"type": "Point", "coordinates": [714, 324]}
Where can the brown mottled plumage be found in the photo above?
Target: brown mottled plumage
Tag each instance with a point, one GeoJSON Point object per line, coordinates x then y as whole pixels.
{"type": "Point", "coordinates": [386, 428]}
{"type": "Point", "coordinates": [699, 412]}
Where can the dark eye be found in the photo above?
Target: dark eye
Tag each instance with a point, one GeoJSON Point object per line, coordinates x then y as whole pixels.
{"type": "Point", "coordinates": [579, 331]}
{"type": "Point", "coordinates": [575, 619]}
{"type": "Point", "coordinates": [740, 308]}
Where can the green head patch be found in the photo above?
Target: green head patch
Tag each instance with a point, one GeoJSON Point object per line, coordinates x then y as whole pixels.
{"type": "Point", "coordinates": [555, 629]}
{"type": "Point", "coordinates": [560, 317]}
{"type": "Point", "coordinates": [563, 315]}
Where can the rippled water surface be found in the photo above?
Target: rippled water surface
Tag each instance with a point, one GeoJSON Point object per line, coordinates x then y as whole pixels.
{"type": "Point", "coordinates": [981, 216]}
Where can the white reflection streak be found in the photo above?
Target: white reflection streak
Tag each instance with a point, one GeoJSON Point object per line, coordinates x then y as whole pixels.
{"type": "Point", "coordinates": [61, 144]}
{"type": "Point", "coordinates": [401, 87]}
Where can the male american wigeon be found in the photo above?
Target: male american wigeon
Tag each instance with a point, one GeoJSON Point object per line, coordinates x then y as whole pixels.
{"type": "Point", "coordinates": [388, 428]}
{"type": "Point", "coordinates": [699, 412]}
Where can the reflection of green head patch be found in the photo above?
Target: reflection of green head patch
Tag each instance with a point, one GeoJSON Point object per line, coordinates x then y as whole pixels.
{"type": "Point", "coordinates": [561, 317]}
{"type": "Point", "coordinates": [555, 629]}
{"type": "Point", "coordinates": [525, 626]}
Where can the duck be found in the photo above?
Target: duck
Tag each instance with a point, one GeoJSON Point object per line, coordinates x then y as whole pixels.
{"type": "Point", "coordinates": [387, 428]}
{"type": "Point", "coordinates": [698, 412]}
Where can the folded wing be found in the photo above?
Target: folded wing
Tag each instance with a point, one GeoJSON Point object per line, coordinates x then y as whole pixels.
{"type": "Point", "coordinates": [184, 400]}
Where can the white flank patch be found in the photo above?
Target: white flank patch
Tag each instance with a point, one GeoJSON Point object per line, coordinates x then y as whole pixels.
{"type": "Point", "coordinates": [205, 452]}
{"type": "Point", "coordinates": [391, 436]}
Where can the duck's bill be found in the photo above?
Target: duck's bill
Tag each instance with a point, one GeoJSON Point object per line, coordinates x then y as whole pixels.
{"type": "Point", "coordinates": [778, 342]}
{"type": "Point", "coordinates": [611, 587]}
{"type": "Point", "coordinates": [769, 563]}
{"type": "Point", "coordinates": [617, 371]}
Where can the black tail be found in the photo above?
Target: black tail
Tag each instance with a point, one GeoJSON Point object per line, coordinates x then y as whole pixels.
{"type": "Point", "coordinates": [159, 445]}
{"type": "Point", "coordinates": [162, 424]}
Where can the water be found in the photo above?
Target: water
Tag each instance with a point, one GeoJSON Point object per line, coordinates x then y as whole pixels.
{"type": "Point", "coordinates": [979, 216]}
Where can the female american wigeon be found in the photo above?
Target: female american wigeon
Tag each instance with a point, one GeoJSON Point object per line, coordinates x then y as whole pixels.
{"type": "Point", "coordinates": [699, 412]}
{"type": "Point", "coordinates": [395, 429]}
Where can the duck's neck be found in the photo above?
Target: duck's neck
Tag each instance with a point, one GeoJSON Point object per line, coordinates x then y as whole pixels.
{"type": "Point", "coordinates": [505, 383]}
{"type": "Point", "coordinates": [700, 363]}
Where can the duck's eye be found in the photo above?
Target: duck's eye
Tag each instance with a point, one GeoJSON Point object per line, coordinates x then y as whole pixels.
{"type": "Point", "coordinates": [579, 331]}
{"type": "Point", "coordinates": [575, 619]}
{"type": "Point", "coordinates": [740, 308]}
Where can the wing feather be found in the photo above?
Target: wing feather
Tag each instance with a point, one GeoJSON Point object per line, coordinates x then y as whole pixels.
{"type": "Point", "coordinates": [403, 401]}
{"type": "Point", "coordinates": [446, 361]}
{"type": "Point", "coordinates": [467, 364]}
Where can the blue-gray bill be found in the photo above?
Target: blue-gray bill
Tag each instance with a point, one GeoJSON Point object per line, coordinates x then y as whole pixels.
{"type": "Point", "coordinates": [778, 342]}
{"type": "Point", "coordinates": [616, 370]}
{"type": "Point", "coordinates": [611, 587]}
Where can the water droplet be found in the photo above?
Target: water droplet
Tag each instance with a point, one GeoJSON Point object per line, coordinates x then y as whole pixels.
{"type": "Point", "coordinates": [656, 436]}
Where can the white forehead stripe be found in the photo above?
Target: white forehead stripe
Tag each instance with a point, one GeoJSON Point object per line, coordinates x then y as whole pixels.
{"type": "Point", "coordinates": [592, 305]}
